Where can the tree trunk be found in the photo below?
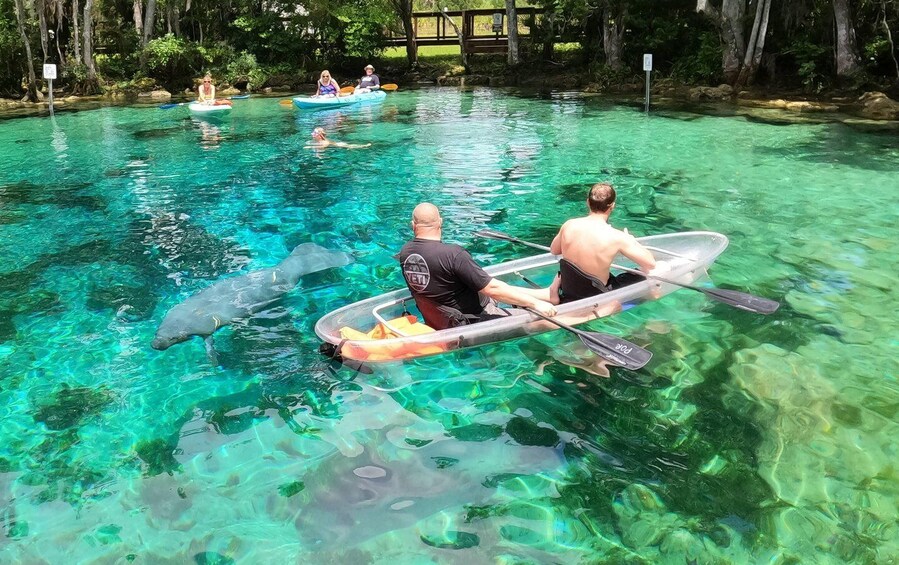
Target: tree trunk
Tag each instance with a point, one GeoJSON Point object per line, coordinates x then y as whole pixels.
{"type": "Point", "coordinates": [756, 46]}
{"type": "Point", "coordinates": [729, 22]}
{"type": "Point", "coordinates": [612, 33]}
{"type": "Point", "coordinates": [149, 22]}
{"type": "Point", "coordinates": [31, 95]}
{"type": "Point", "coordinates": [512, 23]}
{"type": "Point", "coordinates": [92, 84]}
{"type": "Point", "coordinates": [138, 17]}
{"type": "Point", "coordinates": [60, 16]}
{"type": "Point", "coordinates": [461, 37]}
{"type": "Point", "coordinates": [176, 19]}
{"type": "Point", "coordinates": [405, 12]}
{"type": "Point", "coordinates": [76, 33]}
{"type": "Point", "coordinates": [847, 57]}
{"type": "Point", "coordinates": [41, 10]}
{"type": "Point", "coordinates": [548, 40]}
{"type": "Point", "coordinates": [886, 28]}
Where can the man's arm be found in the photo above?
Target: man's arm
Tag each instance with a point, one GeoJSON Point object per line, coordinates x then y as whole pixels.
{"type": "Point", "coordinates": [632, 249]}
{"type": "Point", "coordinates": [529, 298]}
{"type": "Point", "coordinates": [556, 246]}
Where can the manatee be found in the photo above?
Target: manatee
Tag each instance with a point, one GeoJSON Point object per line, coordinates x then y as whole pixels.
{"type": "Point", "coordinates": [242, 296]}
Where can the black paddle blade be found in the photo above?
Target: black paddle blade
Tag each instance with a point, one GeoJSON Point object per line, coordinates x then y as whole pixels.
{"type": "Point", "coordinates": [333, 352]}
{"type": "Point", "coordinates": [616, 350]}
{"type": "Point", "coordinates": [741, 300]}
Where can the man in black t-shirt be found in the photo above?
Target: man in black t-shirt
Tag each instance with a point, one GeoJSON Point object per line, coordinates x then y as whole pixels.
{"type": "Point", "coordinates": [369, 82]}
{"type": "Point", "coordinates": [451, 289]}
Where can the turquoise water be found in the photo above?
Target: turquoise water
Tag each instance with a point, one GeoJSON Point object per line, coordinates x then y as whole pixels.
{"type": "Point", "coordinates": [746, 439]}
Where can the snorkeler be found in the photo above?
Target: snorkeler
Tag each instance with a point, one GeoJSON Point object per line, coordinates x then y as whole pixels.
{"type": "Point", "coordinates": [321, 141]}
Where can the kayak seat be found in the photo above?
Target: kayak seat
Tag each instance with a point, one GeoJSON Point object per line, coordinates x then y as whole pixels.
{"type": "Point", "coordinates": [375, 351]}
{"type": "Point", "coordinates": [575, 284]}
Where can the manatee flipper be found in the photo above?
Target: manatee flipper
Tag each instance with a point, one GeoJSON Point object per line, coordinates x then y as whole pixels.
{"type": "Point", "coordinates": [211, 353]}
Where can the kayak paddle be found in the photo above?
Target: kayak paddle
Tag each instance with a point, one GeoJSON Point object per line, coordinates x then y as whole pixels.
{"type": "Point", "coordinates": [735, 298]}
{"type": "Point", "coordinates": [613, 349]}
{"type": "Point", "coordinates": [390, 87]}
{"type": "Point", "coordinates": [347, 89]}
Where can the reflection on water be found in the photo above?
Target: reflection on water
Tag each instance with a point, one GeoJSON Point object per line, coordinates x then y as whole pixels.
{"type": "Point", "coordinates": [746, 439]}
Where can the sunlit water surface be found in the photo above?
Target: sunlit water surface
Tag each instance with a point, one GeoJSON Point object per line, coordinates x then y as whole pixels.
{"type": "Point", "coordinates": [746, 439]}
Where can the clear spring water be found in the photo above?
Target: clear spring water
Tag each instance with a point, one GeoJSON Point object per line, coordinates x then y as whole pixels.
{"type": "Point", "coordinates": [747, 438]}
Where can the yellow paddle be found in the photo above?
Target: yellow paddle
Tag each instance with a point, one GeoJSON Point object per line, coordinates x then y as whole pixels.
{"type": "Point", "coordinates": [389, 87]}
{"type": "Point", "coordinates": [286, 102]}
{"type": "Point", "coordinates": [347, 89]}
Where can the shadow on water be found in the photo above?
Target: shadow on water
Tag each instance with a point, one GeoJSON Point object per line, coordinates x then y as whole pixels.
{"type": "Point", "coordinates": [64, 195]}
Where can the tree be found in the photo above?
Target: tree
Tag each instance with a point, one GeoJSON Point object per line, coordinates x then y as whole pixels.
{"type": "Point", "coordinates": [846, 55]}
{"type": "Point", "coordinates": [614, 18]}
{"type": "Point", "coordinates": [462, 50]}
{"type": "Point", "coordinates": [404, 9]}
{"type": "Point", "coordinates": [91, 85]}
{"type": "Point", "coordinates": [31, 95]}
{"type": "Point", "coordinates": [512, 22]}
{"type": "Point", "coordinates": [756, 46]}
{"type": "Point", "coordinates": [729, 21]}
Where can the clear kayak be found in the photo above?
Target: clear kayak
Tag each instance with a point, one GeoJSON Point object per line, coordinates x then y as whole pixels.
{"type": "Point", "coordinates": [207, 109]}
{"type": "Point", "coordinates": [687, 254]}
{"type": "Point", "coordinates": [309, 102]}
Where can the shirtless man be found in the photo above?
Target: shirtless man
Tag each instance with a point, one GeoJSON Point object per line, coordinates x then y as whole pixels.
{"type": "Point", "coordinates": [449, 288]}
{"type": "Point", "coordinates": [590, 244]}
{"type": "Point", "coordinates": [321, 141]}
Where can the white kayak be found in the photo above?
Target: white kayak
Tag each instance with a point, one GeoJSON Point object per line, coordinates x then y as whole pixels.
{"type": "Point", "coordinates": [209, 109]}
{"type": "Point", "coordinates": [314, 102]}
{"type": "Point", "coordinates": [688, 254]}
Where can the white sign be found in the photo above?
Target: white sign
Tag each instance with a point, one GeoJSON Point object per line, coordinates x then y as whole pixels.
{"type": "Point", "coordinates": [647, 61]}
{"type": "Point", "coordinates": [49, 72]}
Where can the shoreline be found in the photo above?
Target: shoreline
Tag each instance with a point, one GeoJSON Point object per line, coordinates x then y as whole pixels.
{"type": "Point", "coordinates": [872, 111]}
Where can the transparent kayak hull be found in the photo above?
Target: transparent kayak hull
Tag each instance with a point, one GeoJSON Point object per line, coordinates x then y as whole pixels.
{"type": "Point", "coordinates": [310, 102]}
{"type": "Point", "coordinates": [688, 254]}
{"type": "Point", "coordinates": [208, 109]}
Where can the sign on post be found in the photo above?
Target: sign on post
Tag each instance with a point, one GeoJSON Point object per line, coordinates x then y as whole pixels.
{"type": "Point", "coordinates": [647, 66]}
{"type": "Point", "coordinates": [49, 75]}
{"type": "Point", "coordinates": [497, 22]}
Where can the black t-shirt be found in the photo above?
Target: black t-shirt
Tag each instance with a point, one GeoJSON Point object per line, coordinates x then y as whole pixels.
{"type": "Point", "coordinates": [442, 275]}
{"type": "Point", "coordinates": [369, 81]}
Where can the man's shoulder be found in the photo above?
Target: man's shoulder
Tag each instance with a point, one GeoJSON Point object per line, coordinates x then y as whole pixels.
{"type": "Point", "coordinates": [432, 246]}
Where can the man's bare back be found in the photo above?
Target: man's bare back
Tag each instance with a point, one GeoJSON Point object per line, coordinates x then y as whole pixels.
{"type": "Point", "coordinates": [591, 244]}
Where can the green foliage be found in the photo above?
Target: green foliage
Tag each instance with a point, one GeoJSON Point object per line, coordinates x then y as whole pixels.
{"type": "Point", "coordinates": [174, 61]}
{"type": "Point", "coordinates": [702, 65]}
{"type": "Point", "coordinates": [812, 61]}
{"type": "Point", "coordinates": [245, 67]}
{"type": "Point", "coordinates": [363, 39]}
{"type": "Point", "coordinates": [11, 53]}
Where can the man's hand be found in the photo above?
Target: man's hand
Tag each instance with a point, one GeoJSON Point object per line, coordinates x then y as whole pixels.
{"type": "Point", "coordinates": [545, 308]}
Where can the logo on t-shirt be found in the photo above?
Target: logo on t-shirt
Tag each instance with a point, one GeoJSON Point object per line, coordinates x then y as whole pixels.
{"type": "Point", "coordinates": [416, 271]}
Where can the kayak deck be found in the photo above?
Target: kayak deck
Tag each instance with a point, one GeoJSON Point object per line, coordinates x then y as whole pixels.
{"type": "Point", "coordinates": [688, 254]}
{"type": "Point", "coordinates": [311, 102]}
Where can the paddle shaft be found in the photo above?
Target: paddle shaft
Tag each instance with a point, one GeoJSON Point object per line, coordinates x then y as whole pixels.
{"type": "Point", "coordinates": [609, 353]}
{"type": "Point", "coordinates": [737, 299]}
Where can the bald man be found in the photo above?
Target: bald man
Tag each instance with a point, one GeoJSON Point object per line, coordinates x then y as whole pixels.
{"type": "Point", "coordinates": [451, 289]}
